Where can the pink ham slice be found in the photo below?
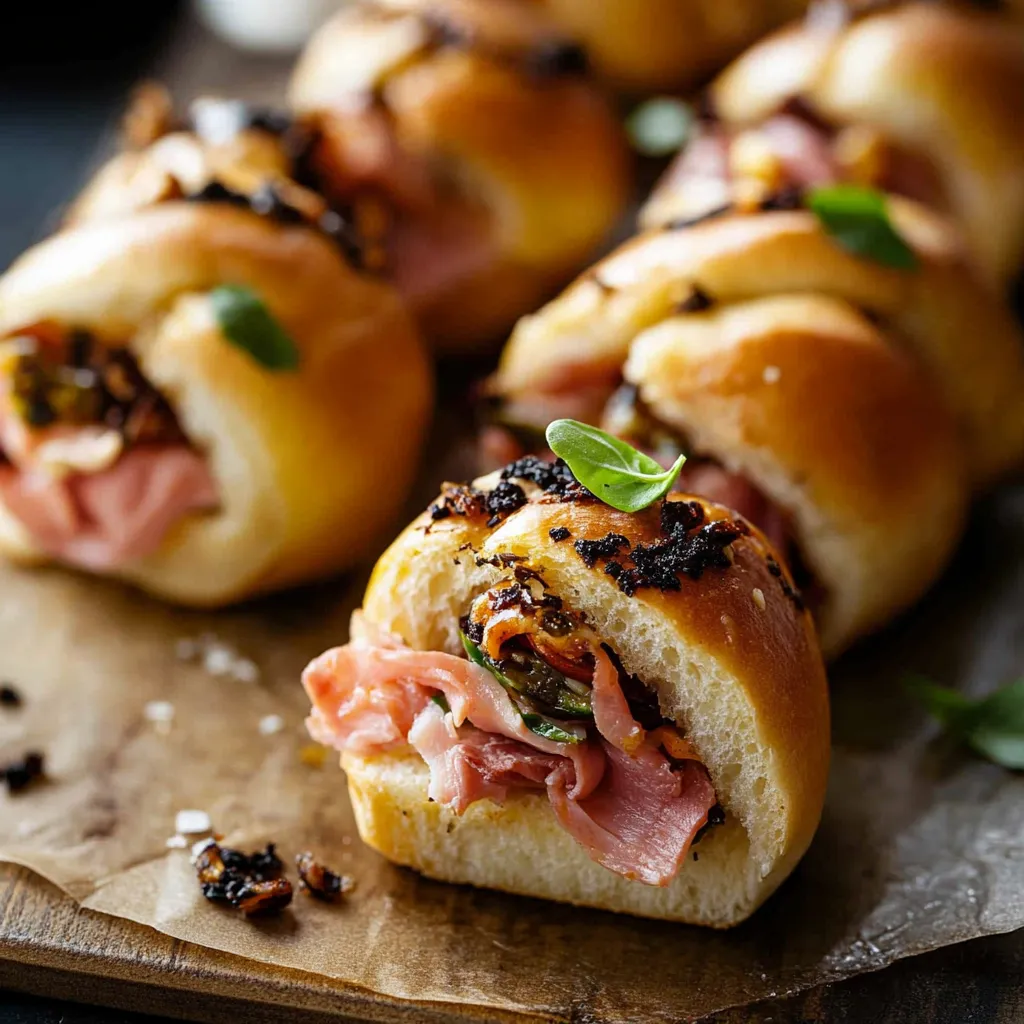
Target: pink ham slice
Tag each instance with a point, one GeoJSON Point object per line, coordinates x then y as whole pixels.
{"type": "Point", "coordinates": [351, 685]}
{"type": "Point", "coordinates": [611, 711]}
{"type": "Point", "coordinates": [633, 813]}
{"type": "Point", "coordinates": [436, 244]}
{"type": "Point", "coordinates": [643, 818]}
{"type": "Point", "coordinates": [102, 520]}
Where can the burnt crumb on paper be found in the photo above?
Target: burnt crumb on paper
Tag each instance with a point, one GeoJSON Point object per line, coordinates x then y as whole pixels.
{"type": "Point", "coordinates": [253, 883]}
{"type": "Point", "coordinates": [19, 775]}
{"type": "Point", "coordinates": [319, 881]}
{"type": "Point", "coordinates": [9, 696]}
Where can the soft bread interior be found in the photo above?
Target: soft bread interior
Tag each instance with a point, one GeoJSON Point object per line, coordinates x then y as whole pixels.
{"type": "Point", "coordinates": [765, 749]}
{"type": "Point", "coordinates": [520, 848]}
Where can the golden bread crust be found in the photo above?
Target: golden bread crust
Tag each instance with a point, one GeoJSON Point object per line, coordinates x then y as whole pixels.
{"type": "Point", "coordinates": [544, 154]}
{"type": "Point", "coordinates": [943, 81]}
{"type": "Point", "coordinates": [296, 456]}
{"type": "Point", "coordinates": [648, 45]}
{"type": "Point", "coordinates": [732, 656]}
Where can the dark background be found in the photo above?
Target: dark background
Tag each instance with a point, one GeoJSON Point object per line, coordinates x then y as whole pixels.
{"type": "Point", "coordinates": [63, 80]}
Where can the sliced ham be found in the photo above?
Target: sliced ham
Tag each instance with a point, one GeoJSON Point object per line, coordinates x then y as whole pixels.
{"type": "Point", "coordinates": [360, 682]}
{"type": "Point", "coordinates": [102, 520]}
{"type": "Point", "coordinates": [804, 150]}
{"type": "Point", "coordinates": [642, 820]}
{"type": "Point", "coordinates": [632, 812]}
{"type": "Point", "coordinates": [436, 242]}
{"type": "Point", "coordinates": [612, 716]}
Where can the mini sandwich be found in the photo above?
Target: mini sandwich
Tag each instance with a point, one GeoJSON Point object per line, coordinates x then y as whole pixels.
{"type": "Point", "coordinates": [550, 696]}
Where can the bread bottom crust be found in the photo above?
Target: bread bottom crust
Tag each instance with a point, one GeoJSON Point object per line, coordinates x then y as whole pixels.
{"type": "Point", "coordinates": [520, 848]}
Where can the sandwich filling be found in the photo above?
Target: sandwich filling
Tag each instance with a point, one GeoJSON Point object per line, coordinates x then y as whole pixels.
{"type": "Point", "coordinates": [537, 704]}
{"type": "Point", "coordinates": [622, 412]}
{"type": "Point", "coordinates": [793, 149]}
{"type": "Point", "coordinates": [93, 462]}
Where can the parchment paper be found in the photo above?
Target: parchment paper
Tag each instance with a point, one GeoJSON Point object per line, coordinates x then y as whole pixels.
{"type": "Point", "coordinates": [920, 845]}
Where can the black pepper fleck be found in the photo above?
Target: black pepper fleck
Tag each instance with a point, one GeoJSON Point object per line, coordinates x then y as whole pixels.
{"type": "Point", "coordinates": [788, 590]}
{"type": "Point", "coordinates": [559, 533]}
{"type": "Point", "coordinates": [556, 57]}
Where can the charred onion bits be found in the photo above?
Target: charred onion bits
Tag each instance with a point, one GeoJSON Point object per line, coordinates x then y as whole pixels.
{"type": "Point", "coordinates": [57, 376]}
{"type": "Point", "coordinates": [319, 881]}
{"type": "Point", "coordinates": [253, 883]}
{"type": "Point", "coordinates": [228, 153]}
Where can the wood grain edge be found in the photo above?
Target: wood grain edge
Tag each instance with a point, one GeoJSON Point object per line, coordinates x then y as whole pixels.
{"type": "Point", "coordinates": [50, 946]}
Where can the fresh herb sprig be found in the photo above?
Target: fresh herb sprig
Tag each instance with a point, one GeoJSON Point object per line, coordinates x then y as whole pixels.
{"type": "Point", "coordinates": [247, 323]}
{"type": "Point", "coordinates": [610, 469]}
{"type": "Point", "coordinates": [858, 219]}
{"type": "Point", "coordinates": [992, 726]}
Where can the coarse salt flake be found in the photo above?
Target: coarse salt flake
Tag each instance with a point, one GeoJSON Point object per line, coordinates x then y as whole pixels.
{"type": "Point", "coordinates": [192, 823]}
{"type": "Point", "coordinates": [271, 724]}
{"type": "Point", "coordinates": [771, 375]}
{"type": "Point", "coordinates": [159, 711]}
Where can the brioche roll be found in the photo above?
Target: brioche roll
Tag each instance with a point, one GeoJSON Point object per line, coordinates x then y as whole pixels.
{"type": "Point", "coordinates": [292, 454]}
{"type": "Point", "coordinates": [922, 99]}
{"type": "Point", "coordinates": [845, 406]}
{"type": "Point", "coordinates": [499, 167]}
{"type": "Point", "coordinates": [965, 339]}
{"type": "Point", "coordinates": [803, 397]}
{"type": "Point", "coordinates": [647, 45]}
{"type": "Point", "coordinates": [727, 660]}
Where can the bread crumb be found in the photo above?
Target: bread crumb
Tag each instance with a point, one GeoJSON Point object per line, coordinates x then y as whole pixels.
{"type": "Point", "coordinates": [771, 375]}
{"type": "Point", "coordinates": [758, 596]}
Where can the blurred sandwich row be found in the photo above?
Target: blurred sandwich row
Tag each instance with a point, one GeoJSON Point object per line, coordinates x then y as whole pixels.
{"type": "Point", "coordinates": [215, 379]}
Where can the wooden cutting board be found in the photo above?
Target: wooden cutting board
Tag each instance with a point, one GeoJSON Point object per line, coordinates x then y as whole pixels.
{"type": "Point", "coordinates": [49, 947]}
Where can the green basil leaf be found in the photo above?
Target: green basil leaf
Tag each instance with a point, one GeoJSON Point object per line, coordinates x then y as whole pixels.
{"type": "Point", "coordinates": [441, 701]}
{"type": "Point", "coordinates": [536, 723]}
{"type": "Point", "coordinates": [247, 323]}
{"type": "Point", "coordinates": [660, 126]}
{"type": "Point", "coordinates": [609, 468]}
{"type": "Point", "coordinates": [992, 726]}
{"type": "Point", "coordinates": [858, 219]}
